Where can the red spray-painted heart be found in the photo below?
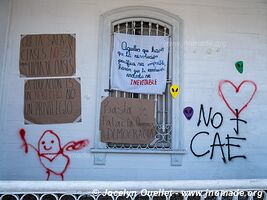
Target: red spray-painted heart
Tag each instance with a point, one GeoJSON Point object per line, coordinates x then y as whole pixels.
{"type": "Point", "coordinates": [237, 89]}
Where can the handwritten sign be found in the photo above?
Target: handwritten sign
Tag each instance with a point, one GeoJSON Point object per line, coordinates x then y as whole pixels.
{"type": "Point", "coordinates": [127, 121]}
{"type": "Point", "coordinates": [52, 101]}
{"type": "Point", "coordinates": [139, 63]}
{"type": "Point", "coordinates": [47, 55]}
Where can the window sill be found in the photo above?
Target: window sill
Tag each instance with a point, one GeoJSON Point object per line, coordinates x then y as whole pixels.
{"type": "Point", "coordinates": [100, 154]}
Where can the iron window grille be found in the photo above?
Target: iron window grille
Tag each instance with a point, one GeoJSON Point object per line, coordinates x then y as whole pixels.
{"type": "Point", "coordinates": [163, 103]}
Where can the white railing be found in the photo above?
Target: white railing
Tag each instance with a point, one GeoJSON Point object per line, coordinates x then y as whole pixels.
{"type": "Point", "coordinates": [249, 189]}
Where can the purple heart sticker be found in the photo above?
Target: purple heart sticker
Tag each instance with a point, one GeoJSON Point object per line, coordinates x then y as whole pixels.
{"type": "Point", "coordinates": [188, 112]}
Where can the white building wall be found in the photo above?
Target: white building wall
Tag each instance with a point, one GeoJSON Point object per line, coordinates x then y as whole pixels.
{"type": "Point", "coordinates": [4, 16]}
{"type": "Point", "coordinates": [216, 35]}
{"type": "Point", "coordinates": [5, 6]}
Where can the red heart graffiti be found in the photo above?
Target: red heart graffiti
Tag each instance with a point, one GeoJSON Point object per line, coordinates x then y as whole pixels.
{"type": "Point", "coordinates": [237, 89]}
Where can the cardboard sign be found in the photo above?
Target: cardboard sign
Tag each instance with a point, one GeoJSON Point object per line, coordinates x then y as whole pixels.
{"type": "Point", "coordinates": [52, 101]}
{"type": "Point", "coordinates": [139, 63]}
{"type": "Point", "coordinates": [47, 55]}
{"type": "Point", "coordinates": [127, 121]}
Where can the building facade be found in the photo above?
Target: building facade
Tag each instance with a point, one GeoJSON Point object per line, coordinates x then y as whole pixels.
{"type": "Point", "coordinates": [217, 57]}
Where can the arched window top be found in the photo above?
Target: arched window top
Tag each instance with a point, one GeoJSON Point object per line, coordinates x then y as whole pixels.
{"type": "Point", "coordinates": [142, 26]}
{"type": "Point", "coordinates": [142, 11]}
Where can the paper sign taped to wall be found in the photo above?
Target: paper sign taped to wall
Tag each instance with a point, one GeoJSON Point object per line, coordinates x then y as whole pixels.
{"type": "Point", "coordinates": [127, 121]}
{"type": "Point", "coordinates": [139, 63]}
{"type": "Point", "coordinates": [52, 101]}
{"type": "Point", "coordinates": [47, 55]}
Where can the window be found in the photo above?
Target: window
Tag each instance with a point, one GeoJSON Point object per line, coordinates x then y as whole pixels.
{"type": "Point", "coordinates": [143, 21]}
{"type": "Point", "coordinates": [147, 26]}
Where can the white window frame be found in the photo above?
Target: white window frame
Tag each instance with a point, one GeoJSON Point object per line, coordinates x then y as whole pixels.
{"type": "Point", "coordinates": [104, 56]}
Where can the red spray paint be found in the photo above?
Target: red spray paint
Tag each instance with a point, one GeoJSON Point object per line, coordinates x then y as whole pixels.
{"type": "Point", "coordinates": [51, 153]}
{"type": "Point", "coordinates": [237, 89]}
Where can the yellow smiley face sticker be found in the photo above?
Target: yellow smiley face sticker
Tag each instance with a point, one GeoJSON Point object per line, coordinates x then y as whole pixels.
{"type": "Point", "coordinates": [174, 90]}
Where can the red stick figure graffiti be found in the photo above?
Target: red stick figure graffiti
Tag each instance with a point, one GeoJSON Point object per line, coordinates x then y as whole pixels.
{"type": "Point", "coordinates": [51, 153]}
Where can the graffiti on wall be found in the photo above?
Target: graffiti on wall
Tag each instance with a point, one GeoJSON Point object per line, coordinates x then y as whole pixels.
{"type": "Point", "coordinates": [216, 119]}
{"type": "Point", "coordinates": [52, 155]}
{"type": "Point", "coordinates": [188, 112]}
{"type": "Point", "coordinates": [239, 66]}
{"type": "Point", "coordinates": [238, 108]}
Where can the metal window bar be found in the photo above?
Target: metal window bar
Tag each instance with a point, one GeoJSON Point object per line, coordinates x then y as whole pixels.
{"type": "Point", "coordinates": [163, 102]}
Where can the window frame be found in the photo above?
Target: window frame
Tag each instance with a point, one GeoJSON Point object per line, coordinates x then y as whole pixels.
{"type": "Point", "coordinates": [104, 56]}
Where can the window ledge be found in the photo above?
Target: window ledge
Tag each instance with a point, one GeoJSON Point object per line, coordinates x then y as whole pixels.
{"type": "Point", "coordinates": [100, 154]}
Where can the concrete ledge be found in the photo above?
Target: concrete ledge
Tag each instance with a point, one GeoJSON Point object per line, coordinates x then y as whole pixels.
{"type": "Point", "coordinates": [89, 186]}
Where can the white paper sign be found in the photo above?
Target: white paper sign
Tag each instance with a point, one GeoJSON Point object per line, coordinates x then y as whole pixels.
{"type": "Point", "coordinates": [139, 63]}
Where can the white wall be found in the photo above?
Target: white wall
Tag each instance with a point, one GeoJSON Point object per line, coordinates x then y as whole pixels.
{"type": "Point", "coordinates": [4, 15]}
{"type": "Point", "coordinates": [5, 6]}
{"type": "Point", "coordinates": [216, 35]}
